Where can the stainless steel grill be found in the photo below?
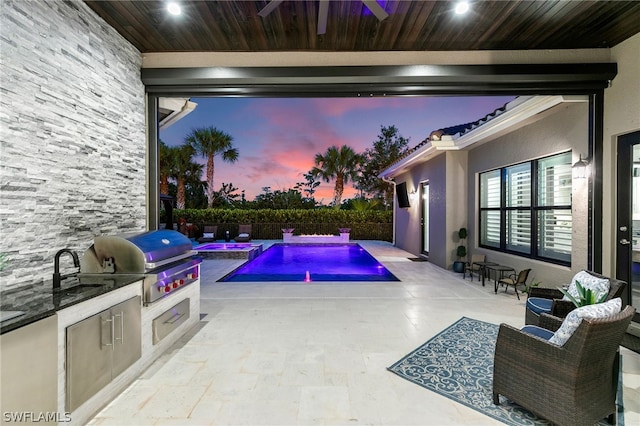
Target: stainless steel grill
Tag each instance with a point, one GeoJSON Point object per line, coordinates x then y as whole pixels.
{"type": "Point", "coordinates": [164, 257]}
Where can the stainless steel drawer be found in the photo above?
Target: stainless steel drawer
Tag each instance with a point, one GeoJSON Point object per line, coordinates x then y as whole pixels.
{"type": "Point", "coordinates": [170, 320]}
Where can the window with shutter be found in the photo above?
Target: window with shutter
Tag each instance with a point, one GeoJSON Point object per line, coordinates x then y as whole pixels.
{"type": "Point", "coordinates": [525, 209]}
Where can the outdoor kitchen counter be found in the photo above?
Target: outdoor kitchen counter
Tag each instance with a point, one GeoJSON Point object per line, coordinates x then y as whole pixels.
{"type": "Point", "coordinates": [39, 301]}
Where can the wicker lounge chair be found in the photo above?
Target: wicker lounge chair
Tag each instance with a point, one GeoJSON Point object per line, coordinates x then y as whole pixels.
{"type": "Point", "coordinates": [244, 234]}
{"type": "Point", "coordinates": [573, 384]}
{"type": "Point", "coordinates": [558, 307]}
{"type": "Point", "coordinates": [209, 234]}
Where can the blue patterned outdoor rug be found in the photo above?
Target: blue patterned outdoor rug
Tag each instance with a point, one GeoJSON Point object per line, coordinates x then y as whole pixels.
{"type": "Point", "coordinates": [458, 364]}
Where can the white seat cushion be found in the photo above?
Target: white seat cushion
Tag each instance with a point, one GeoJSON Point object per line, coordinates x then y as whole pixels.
{"type": "Point", "coordinates": [587, 281]}
{"type": "Point", "coordinates": [575, 317]}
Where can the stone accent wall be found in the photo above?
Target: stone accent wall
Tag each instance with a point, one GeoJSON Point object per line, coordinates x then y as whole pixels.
{"type": "Point", "coordinates": [72, 135]}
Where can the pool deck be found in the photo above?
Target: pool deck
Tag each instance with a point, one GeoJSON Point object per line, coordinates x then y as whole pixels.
{"type": "Point", "coordinates": [295, 353]}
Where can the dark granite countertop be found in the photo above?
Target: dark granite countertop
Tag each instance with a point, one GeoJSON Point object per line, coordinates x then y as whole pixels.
{"type": "Point", "coordinates": [39, 300]}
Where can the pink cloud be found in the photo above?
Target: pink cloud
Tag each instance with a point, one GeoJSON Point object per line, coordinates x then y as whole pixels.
{"type": "Point", "coordinates": [341, 106]}
{"type": "Point", "coordinates": [277, 138]}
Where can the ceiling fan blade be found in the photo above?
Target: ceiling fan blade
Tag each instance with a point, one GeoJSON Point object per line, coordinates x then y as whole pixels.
{"type": "Point", "coordinates": [376, 9]}
{"type": "Point", "coordinates": [323, 11]}
{"type": "Point", "coordinates": [269, 8]}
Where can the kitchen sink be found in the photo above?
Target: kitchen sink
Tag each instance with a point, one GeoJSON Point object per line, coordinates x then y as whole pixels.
{"type": "Point", "coordinates": [79, 289]}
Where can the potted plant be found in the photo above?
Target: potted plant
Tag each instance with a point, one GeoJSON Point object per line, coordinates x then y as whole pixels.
{"type": "Point", "coordinates": [585, 296]}
{"type": "Point", "coordinates": [461, 251]}
{"type": "Point", "coordinates": [527, 288]}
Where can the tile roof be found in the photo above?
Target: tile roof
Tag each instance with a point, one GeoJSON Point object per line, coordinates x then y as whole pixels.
{"type": "Point", "coordinates": [455, 131]}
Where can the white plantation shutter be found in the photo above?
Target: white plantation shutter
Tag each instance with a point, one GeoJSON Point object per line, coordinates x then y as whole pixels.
{"type": "Point", "coordinates": [518, 226]}
{"type": "Point", "coordinates": [554, 223]}
{"type": "Point", "coordinates": [518, 181]}
{"type": "Point", "coordinates": [490, 190]}
{"type": "Point", "coordinates": [540, 201]}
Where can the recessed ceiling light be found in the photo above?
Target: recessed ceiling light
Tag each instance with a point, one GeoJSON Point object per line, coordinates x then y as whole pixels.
{"type": "Point", "coordinates": [462, 7]}
{"type": "Point", "coordinates": [174, 8]}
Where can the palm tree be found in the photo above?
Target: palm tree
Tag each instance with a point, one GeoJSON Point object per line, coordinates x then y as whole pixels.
{"type": "Point", "coordinates": [209, 142]}
{"type": "Point", "coordinates": [184, 170]}
{"type": "Point", "coordinates": [167, 159]}
{"type": "Point", "coordinates": [340, 164]}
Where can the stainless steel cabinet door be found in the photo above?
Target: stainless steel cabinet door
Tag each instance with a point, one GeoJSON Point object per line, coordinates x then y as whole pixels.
{"type": "Point", "coordinates": [101, 347]}
{"type": "Point", "coordinates": [89, 353]}
{"type": "Point", "coordinates": [127, 335]}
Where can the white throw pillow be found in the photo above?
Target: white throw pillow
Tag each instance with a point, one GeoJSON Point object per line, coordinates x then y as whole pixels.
{"type": "Point", "coordinates": [575, 317]}
{"type": "Point", "coordinates": [207, 235]}
{"type": "Point", "coordinates": [243, 235]}
{"type": "Point", "coordinates": [587, 281]}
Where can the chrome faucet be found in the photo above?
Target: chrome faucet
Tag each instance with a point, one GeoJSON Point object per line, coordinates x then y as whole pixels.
{"type": "Point", "coordinates": [57, 278]}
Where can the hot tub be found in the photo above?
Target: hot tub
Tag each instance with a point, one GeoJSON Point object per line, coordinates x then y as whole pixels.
{"type": "Point", "coordinates": [229, 250]}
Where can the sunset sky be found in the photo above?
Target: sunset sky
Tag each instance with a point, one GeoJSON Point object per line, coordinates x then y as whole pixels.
{"type": "Point", "coordinates": [277, 138]}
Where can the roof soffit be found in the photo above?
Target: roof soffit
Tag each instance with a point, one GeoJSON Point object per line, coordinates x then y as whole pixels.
{"type": "Point", "coordinates": [519, 113]}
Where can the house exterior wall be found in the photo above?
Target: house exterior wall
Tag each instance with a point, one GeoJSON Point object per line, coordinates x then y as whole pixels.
{"type": "Point", "coordinates": [563, 128]}
{"type": "Point", "coordinates": [73, 162]}
{"type": "Point", "coordinates": [408, 227]}
{"type": "Point", "coordinates": [457, 206]}
{"type": "Point", "coordinates": [447, 208]}
{"type": "Point", "coordinates": [621, 116]}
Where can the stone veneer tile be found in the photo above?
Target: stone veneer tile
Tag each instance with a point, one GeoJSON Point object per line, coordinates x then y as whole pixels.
{"type": "Point", "coordinates": [72, 134]}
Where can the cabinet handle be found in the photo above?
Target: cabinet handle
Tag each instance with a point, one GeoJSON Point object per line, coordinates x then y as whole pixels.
{"type": "Point", "coordinates": [113, 331]}
{"type": "Point", "coordinates": [121, 338]}
{"type": "Point", "coordinates": [174, 319]}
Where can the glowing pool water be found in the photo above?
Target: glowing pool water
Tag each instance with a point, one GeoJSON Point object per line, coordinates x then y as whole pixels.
{"type": "Point", "coordinates": [311, 263]}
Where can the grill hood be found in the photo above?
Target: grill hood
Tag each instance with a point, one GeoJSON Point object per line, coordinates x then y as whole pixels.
{"type": "Point", "coordinates": [135, 253]}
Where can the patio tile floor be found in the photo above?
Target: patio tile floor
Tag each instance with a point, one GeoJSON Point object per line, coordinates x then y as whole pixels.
{"type": "Point", "coordinates": [316, 354]}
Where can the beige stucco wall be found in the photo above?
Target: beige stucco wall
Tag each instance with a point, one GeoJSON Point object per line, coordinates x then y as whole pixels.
{"type": "Point", "coordinates": [457, 197]}
{"type": "Point", "coordinates": [408, 227]}
{"type": "Point", "coordinates": [621, 116]}
{"type": "Point", "coordinates": [453, 178]}
{"type": "Point", "coordinates": [563, 128]}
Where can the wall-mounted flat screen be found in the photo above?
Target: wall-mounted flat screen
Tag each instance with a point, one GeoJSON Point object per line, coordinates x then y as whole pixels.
{"type": "Point", "coordinates": [403, 196]}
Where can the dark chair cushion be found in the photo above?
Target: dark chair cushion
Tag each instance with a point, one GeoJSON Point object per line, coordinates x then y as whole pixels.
{"type": "Point", "coordinates": [539, 305]}
{"type": "Point", "coordinates": [537, 331]}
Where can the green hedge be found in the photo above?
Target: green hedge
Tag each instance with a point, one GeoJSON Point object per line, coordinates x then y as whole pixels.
{"type": "Point", "coordinates": [267, 223]}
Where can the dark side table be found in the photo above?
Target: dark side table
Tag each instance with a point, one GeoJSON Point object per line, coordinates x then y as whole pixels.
{"type": "Point", "coordinates": [482, 270]}
{"type": "Point", "coordinates": [501, 269]}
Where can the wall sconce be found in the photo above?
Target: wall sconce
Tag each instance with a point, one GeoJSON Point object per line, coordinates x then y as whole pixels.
{"type": "Point", "coordinates": [580, 168]}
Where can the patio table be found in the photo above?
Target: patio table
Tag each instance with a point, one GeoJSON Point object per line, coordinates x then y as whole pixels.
{"type": "Point", "coordinates": [482, 270]}
{"type": "Point", "coordinates": [497, 268]}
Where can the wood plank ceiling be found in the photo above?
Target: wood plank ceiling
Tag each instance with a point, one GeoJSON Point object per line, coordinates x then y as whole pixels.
{"type": "Point", "coordinates": [415, 25]}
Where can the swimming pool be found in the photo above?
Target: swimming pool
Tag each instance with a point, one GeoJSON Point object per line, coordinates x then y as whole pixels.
{"type": "Point", "coordinates": [312, 262]}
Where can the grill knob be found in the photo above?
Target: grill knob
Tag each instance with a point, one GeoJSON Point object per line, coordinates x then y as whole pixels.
{"type": "Point", "coordinates": [167, 288]}
{"type": "Point", "coordinates": [175, 284]}
{"type": "Point", "coordinates": [181, 281]}
{"type": "Point", "coordinates": [192, 275]}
